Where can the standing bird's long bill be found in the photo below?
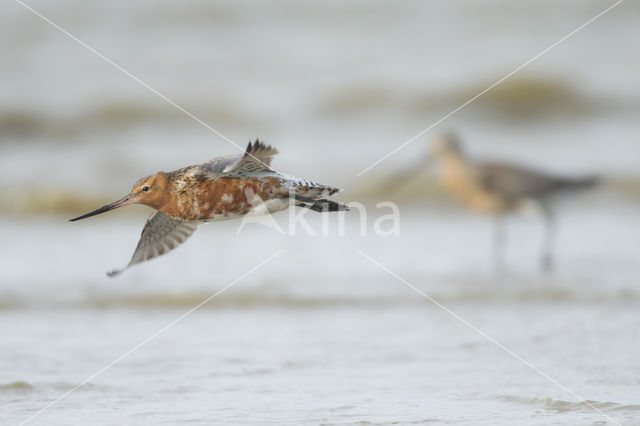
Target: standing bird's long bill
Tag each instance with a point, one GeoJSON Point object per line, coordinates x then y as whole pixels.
{"type": "Point", "coordinates": [395, 182]}
{"type": "Point", "coordinates": [120, 203]}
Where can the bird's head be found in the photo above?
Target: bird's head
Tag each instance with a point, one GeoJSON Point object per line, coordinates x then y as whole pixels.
{"type": "Point", "coordinates": [150, 191]}
{"type": "Point", "coordinates": [446, 144]}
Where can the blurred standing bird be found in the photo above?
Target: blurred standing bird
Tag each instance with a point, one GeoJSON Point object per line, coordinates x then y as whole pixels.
{"type": "Point", "coordinates": [223, 188]}
{"type": "Point", "coordinates": [499, 188]}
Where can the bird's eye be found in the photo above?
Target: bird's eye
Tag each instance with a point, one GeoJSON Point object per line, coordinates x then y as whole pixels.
{"type": "Point", "coordinates": [145, 188]}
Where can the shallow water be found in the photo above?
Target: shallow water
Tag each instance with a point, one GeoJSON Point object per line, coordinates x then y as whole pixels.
{"type": "Point", "coordinates": [325, 365]}
{"type": "Point", "coordinates": [320, 334]}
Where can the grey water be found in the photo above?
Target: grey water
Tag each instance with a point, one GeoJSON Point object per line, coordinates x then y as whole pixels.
{"type": "Point", "coordinates": [320, 334]}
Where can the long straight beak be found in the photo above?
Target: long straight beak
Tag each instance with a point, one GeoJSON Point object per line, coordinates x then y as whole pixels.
{"type": "Point", "coordinates": [120, 203]}
{"type": "Point", "coordinates": [429, 159]}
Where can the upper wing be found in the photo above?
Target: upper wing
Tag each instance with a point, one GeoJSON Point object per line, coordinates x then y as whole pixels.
{"type": "Point", "coordinates": [160, 235]}
{"type": "Point", "coordinates": [513, 181]}
{"type": "Point", "coordinates": [215, 168]}
{"type": "Point", "coordinates": [257, 158]}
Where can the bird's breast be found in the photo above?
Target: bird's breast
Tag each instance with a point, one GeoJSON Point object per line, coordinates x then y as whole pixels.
{"type": "Point", "coordinates": [463, 186]}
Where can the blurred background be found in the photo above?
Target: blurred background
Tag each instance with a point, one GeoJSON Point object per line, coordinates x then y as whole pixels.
{"type": "Point", "coordinates": [320, 334]}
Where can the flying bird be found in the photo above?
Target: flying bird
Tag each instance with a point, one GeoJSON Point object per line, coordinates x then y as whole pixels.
{"type": "Point", "coordinates": [223, 188]}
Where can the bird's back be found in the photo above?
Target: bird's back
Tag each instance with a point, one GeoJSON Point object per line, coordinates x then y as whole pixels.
{"type": "Point", "coordinates": [516, 182]}
{"type": "Point", "coordinates": [218, 189]}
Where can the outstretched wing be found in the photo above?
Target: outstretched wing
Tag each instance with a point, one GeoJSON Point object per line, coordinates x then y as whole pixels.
{"type": "Point", "coordinates": [160, 235]}
{"type": "Point", "coordinates": [257, 158]}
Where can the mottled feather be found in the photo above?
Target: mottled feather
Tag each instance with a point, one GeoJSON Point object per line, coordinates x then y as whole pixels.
{"type": "Point", "coordinates": [212, 191]}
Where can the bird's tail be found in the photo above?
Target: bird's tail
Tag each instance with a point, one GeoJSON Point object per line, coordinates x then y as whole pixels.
{"type": "Point", "coordinates": [314, 190]}
{"type": "Point", "coordinates": [320, 205]}
{"type": "Point", "coordinates": [312, 195]}
{"type": "Point", "coordinates": [579, 183]}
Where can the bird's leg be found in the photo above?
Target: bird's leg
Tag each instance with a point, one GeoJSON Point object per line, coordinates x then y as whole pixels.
{"type": "Point", "coordinates": [499, 240]}
{"type": "Point", "coordinates": [549, 238]}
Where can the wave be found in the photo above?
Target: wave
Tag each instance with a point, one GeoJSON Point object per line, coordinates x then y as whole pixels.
{"type": "Point", "coordinates": [22, 121]}
{"type": "Point", "coordinates": [520, 98]}
{"type": "Point", "coordinates": [258, 299]}
{"type": "Point", "coordinates": [237, 300]}
{"type": "Point", "coordinates": [562, 406]}
{"type": "Point", "coordinates": [30, 200]}
{"type": "Point", "coordinates": [15, 386]}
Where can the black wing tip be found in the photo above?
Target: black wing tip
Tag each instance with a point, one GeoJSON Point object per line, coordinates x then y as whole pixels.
{"type": "Point", "coordinates": [254, 146]}
{"type": "Point", "coordinates": [258, 145]}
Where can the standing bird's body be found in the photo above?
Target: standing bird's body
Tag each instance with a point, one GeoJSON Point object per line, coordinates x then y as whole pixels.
{"type": "Point", "coordinates": [223, 188]}
{"type": "Point", "coordinates": [499, 188]}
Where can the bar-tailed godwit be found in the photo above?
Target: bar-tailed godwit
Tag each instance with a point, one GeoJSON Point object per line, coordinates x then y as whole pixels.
{"type": "Point", "coordinates": [499, 188]}
{"type": "Point", "coordinates": [223, 188]}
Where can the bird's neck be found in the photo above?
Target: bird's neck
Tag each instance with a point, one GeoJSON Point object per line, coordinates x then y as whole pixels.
{"type": "Point", "coordinates": [454, 162]}
{"type": "Point", "coordinates": [456, 174]}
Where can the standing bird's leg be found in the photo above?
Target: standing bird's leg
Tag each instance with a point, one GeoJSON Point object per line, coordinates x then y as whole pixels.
{"type": "Point", "coordinates": [549, 238]}
{"type": "Point", "coordinates": [499, 240]}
